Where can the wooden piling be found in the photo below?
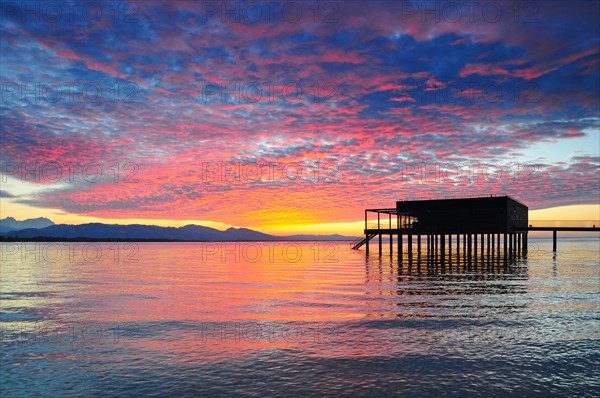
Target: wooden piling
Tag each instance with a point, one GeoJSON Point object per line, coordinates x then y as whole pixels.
{"type": "Point", "coordinates": [443, 247]}
{"type": "Point", "coordinates": [400, 248]}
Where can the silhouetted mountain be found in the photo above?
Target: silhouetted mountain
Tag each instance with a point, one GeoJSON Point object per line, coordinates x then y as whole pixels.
{"type": "Point", "coordinates": [101, 231]}
{"type": "Point", "coordinates": [116, 231]}
{"type": "Point", "coordinates": [246, 234]}
{"type": "Point", "coordinates": [10, 224]}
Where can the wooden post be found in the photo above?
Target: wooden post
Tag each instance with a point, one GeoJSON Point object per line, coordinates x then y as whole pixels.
{"type": "Point", "coordinates": [391, 236]}
{"type": "Point", "coordinates": [482, 245]}
{"type": "Point", "coordinates": [366, 235]}
{"type": "Point", "coordinates": [399, 237]}
{"type": "Point", "coordinates": [443, 247]}
{"type": "Point", "coordinates": [498, 245]}
{"type": "Point", "coordinates": [450, 250]}
{"type": "Point", "coordinates": [419, 246]}
{"type": "Point", "coordinates": [400, 246]}
{"type": "Point", "coordinates": [525, 244]}
{"type": "Point", "coordinates": [469, 246]}
{"type": "Point", "coordinates": [379, 231]}
{"type": "Point", "coordinates": [554, 240]}
{"type": "Point", "coordinates": [409, 244]}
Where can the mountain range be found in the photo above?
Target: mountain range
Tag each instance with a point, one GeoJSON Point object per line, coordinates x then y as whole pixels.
{"type": "Point", "coordinates": [43, 228]}
{"type": "Point", "coordinates": [10, 224]}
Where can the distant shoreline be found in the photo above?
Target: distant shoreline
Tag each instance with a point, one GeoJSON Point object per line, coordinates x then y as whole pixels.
{"type": "Point", "coordinates": [46, 239]}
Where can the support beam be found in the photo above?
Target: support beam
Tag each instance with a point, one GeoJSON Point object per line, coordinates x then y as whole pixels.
{"type": "Point", "coordinates": [498, 245]}
{"type": "Point", "coordinates": [469, 246]}
{"type": "Point", "coordinates": [443, 248]}
{"type": "Point", "coordinates": [482, 245]}
{"type": "Point", "coordinates": [458, 247]}
{"type": "Point", "coordinates": [399, 238]}
{"type": "Point", "coordinates": [400, 246]}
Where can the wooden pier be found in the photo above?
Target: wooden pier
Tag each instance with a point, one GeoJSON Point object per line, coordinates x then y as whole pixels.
{"type": "Point", "coordinates": [555, 231]}
{"type": "Point", "coordinates": [484, 226]}
{"type": "Point", "coordinates": [444, 246]}
{"type": "Point", "coordinates": [474, 228]}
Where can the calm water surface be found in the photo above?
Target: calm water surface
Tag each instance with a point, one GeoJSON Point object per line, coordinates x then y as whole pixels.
{"type": "Point", "coordinates": [296, 319]}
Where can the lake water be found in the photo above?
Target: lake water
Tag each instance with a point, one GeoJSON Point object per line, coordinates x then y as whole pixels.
{"type": "Point", "coordinates": [296, 319]}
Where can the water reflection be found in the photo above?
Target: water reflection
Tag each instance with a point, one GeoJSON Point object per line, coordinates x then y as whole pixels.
{"type": "Point", "coordinates": [313, 320]}
{"type": "Point", "coordinates": [426, 287]}
{"type": "Point", "coordinates": [458, 270]}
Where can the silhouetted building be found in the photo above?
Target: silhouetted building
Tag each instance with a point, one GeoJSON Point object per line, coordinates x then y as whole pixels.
{"type": "Point", "coordinates": [484, 226]}
{"type": "Point", "coordinates": [461, 216]}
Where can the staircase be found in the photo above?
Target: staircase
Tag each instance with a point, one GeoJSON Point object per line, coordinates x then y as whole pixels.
{"type": "Point", "coordinates": [361, 241]}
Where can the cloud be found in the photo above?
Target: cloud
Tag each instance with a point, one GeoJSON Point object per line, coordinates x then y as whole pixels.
{"type": "Point", "coordinates": [159, 97]}
{"type": "Point", "coordinates": [6, 194]}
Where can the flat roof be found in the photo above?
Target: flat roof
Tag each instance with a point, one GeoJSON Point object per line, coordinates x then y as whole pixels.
{"type": "Point", "coordinates": [456, 200]}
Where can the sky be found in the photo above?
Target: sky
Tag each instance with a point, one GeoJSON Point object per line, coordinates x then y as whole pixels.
{"type": "Point", "coordinates": [295, 116]}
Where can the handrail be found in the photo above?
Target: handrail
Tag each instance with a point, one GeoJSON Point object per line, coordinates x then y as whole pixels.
{"type": "Point", "coordinates": [387, 227]}
{"type": "Point", "coordinates": [453, 196]}
{"type": "Point", "coordinates": [356, 241]}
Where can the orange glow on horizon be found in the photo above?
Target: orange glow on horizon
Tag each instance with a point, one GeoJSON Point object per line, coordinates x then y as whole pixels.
{"type": "Point", "coordinates": [277, 223]}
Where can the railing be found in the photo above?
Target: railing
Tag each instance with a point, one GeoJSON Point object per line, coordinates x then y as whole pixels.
{"type": "Point", "coordinates": [386, 226]}
{"type": "Point", "coordinates": [356, 241]}
{"type": "Point", "coordinates": [457, 196]}
{"type": "Point", "coordinates": [564, 223]}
